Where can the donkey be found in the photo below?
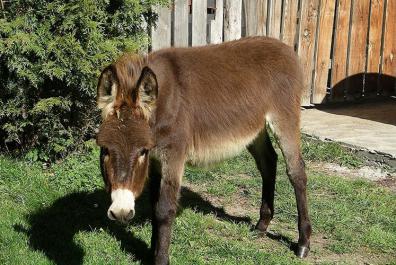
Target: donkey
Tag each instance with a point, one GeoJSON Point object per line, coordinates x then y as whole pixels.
{"type": "Point", "coordinates": [200, 105]}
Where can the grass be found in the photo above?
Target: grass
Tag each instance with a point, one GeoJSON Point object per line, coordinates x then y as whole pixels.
{"type": "Point", "coordinates": [332, 152]}
{"type": "Point", "coordinates": [57, 216]}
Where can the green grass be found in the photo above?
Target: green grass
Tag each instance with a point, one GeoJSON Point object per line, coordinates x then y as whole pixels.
{"type": "Point", "coordinates": [57, 216]}
{"type": "Point", "coordinates": [332, 152]}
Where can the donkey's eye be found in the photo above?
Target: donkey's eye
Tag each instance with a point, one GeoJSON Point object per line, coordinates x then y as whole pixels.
{"type": "Point", "coordinates": [143, 152]}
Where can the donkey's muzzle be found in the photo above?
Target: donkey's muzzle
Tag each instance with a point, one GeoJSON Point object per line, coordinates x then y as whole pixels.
{"type": "Point", "coordinates": [122, 208]}
{"type": "Point", "coordinates": [123, 216]}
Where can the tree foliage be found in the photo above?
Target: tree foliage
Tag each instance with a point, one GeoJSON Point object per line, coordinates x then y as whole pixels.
{"type": "Point", "coordinates": [51, 53]}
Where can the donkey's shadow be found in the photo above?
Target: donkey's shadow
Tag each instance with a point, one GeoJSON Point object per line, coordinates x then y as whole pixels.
{"type": "Point", "coordinates": [52, 229]}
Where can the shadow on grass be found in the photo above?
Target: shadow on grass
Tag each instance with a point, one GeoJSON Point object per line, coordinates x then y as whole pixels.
{"type": "Point", "coordinates": [52, 228]}
{"type": "Point", "coordinates": [293, 246]}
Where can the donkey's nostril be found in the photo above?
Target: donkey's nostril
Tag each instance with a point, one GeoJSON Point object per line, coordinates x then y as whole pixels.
{"type": "Point", "coordinates": [130, 215]}
{"type": "Point", "coordinates": [112, 216]}
{"type": "Point", "coordinates": [122, 215]}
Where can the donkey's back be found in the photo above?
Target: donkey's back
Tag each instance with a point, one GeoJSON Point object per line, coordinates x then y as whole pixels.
{"type": "Point", "coordinates": [225, 93]}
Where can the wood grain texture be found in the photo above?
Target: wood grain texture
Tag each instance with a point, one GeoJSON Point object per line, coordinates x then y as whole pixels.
{"type": "Point", "coordinates": [256, 17]}
{"type": "Point", "coordinates": [161, 33]}
{"type": "Point", "coordinates": [374, 48]}
{"type": "Point", "coordinates": [181, 23]}
{"type": "Point", "coordinates": [232, 20]}
{"type": "Point", "coordinates": [289, 24]}
{"type": "Point", "coordinates": [216, 25]}
{"type": "Point", "coordinates": [325, 32]}
{"type": "Point", "coordinates": [340, 49]}
{"type": "Point", "coordinates": [275, 17]}
{"type": "Point", "coordinates": [199, 19]}
{"type": "Point", "coordinates": [375, 34]}
{"type": "Point", "coordinates": [357, 48]}
{"type": "Point", "coordinates": [388, 83]}
{"type": "Point", "coordinates": [306, 44]}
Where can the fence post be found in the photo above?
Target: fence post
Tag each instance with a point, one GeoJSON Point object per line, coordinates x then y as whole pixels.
{"type": "Point", "coordinates": [256, 17]}
{"type": "Point", "coordinates": [357, 48]}
{"type": "Point", "coordinates": [306, 44]}
{"type": "Point", "coordinates": [275, 16]}
{"type": "Point", "coordinates": [323, 47]}
{"type": "Point", "coordinates": [374, 47]}
{"type": "Point", "coordinates": [199, 18]}
{"type": "Point", "coordinates": [161, 34]}
{"type": "Point", "coordinates": [340, 48]}
{"type": "Point", "coordinates": [389, 54]}
{"type": "Point", "coordinates": [289, 23]}
{"type": "Point", "coordinates": [216, 25]}
{"type": "Point", "coordinates": [181, 23]}
{"type": "Point", "coordinates": [233, 20]}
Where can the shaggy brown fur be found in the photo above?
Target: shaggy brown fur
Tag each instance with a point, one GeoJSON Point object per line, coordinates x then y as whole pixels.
{"type": "Point", "coordinates": [124, 140]}
{"type": "Point", "coordinates": [204, 104]}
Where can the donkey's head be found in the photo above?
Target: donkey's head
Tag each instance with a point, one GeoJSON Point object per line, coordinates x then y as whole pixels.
{"type": "Point", "coordinates": [126, 94]}
{"type": "Point", "coordinates": [127, 82]}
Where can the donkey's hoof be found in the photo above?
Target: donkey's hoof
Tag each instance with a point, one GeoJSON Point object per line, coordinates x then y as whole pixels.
{"type": "Point", "coordinates": [261, 226]}
{"type": "Point", "coordinates": [302, 251]}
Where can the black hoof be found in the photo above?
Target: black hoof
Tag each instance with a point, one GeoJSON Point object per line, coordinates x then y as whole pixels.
{"type": "Point", "coordinates": [261, 226]}
{"type": "Point", "coordinates": [302, 251]}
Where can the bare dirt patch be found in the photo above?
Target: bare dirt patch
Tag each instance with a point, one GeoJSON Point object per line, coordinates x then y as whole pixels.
{"type": "Point", "coordinates": [366, 172]}
{"type": "Point", "coordinates": [379, 176]}
{"type": "Point", "coordinates": [389, 183]}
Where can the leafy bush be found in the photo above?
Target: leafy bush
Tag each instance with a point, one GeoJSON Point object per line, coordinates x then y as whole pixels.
{"type": "Point", "coordinates": [51, 53]}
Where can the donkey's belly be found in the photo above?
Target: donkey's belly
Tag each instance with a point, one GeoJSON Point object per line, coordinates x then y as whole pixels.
{"type": "Point", "coordinates": [208, 151]}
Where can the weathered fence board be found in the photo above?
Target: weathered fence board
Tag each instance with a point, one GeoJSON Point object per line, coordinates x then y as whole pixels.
{"type": "Point", "coordinates": [340, 50]}
{"type": "Point", "coordinates": [374, 47]}
{"type": "Point", "coordinates": [232, 20]}
{"type": "Point", "coordinates": [325, 30]}
{"type": "Point", "coordinates": [389, 54]}
{"type": "Point", "coordinates": [199, 17]}
{"type": "Point", "coordinates": [161, 33]}
{"type": "Point", "coordinates": [275, 16]}
{"type": "Point", "coordinates": [289, 25]}
{"type": "Point", "coordinates": [306, 44]}
{"type": "Point", "coordinates": [256, 17]}
{"type": "Point", "coordinates": [181, 23]}
{"type": "Point", "coordinates": [216, 25]}
{"type": "Point", "coordinates": [357, 48]}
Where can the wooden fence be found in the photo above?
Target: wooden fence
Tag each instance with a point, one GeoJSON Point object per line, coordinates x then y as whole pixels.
{"type": "Point", "coordinates": [347, 47]}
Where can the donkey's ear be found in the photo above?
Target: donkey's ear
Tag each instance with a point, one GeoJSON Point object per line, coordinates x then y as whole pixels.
{"type": "Point", "coordinates": [146, 90]}
{"type": "Point", "coordinates": [106, 90]}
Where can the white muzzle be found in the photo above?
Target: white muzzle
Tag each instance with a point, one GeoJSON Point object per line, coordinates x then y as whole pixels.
{"type": "Point", "coordinates": [123, 205]}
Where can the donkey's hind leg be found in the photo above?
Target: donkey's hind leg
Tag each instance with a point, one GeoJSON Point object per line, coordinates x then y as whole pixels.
{"type": "Point", "coordinates": [266, 158]}
{"type": "Point", "coordinates": [288, 135]}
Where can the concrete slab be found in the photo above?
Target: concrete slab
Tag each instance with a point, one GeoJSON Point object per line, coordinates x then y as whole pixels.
{"type": "Point", "coordinates": [371, 126]}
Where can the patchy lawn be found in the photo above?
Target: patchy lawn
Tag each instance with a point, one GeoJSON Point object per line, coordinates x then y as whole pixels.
{"type": "Point", "coordinates": [58, 216]}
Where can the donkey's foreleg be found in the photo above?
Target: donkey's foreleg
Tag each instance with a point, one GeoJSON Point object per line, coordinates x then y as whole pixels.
{"type": "Point", "coordinates": [166, 206]}
{"type": "Point", "coordinates": [155, 183]}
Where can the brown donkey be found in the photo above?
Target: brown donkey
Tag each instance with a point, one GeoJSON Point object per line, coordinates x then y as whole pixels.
{"type": "Point", "coordinates": [200, 105]}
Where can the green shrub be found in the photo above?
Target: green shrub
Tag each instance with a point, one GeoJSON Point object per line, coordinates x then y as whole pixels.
{"type": "Point", "coordinates": [51, 53]}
